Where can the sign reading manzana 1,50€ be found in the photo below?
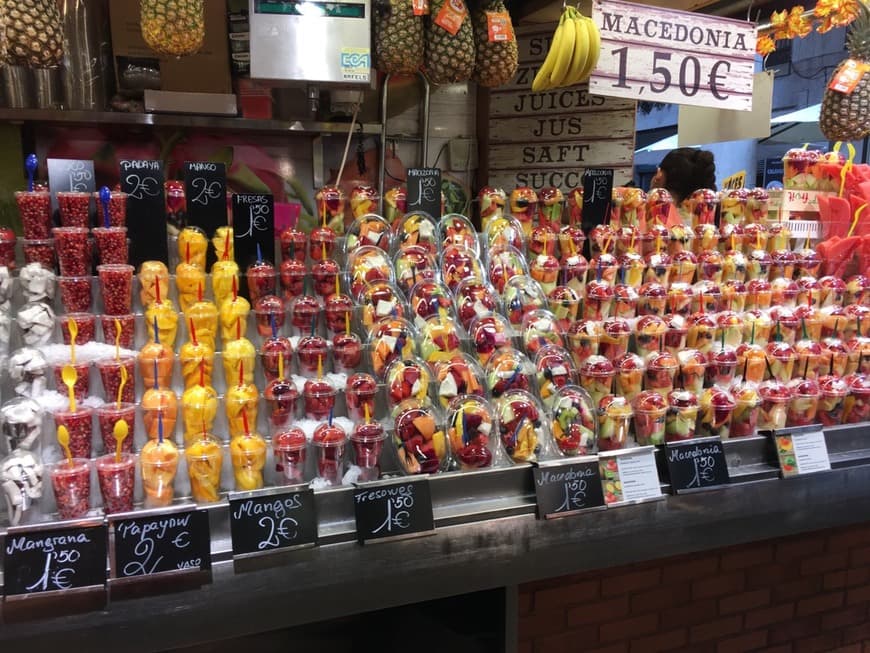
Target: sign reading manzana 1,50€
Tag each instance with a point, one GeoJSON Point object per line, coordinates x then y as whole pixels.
{"type": "Point", "coordinates": [664, 55]}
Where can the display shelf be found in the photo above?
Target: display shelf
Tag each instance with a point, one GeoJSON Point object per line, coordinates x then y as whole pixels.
{"type": "Point", "coordinates": [58, 117]}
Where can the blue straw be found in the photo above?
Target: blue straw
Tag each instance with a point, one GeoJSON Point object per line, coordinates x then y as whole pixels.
{"type": "Point", "coordinates": [259, 254]}
{"type": "Point", "coordinates": [330, 416]}
{"type": "Point", "coordinates": [156, 383]}
{"type": "Point", "coordinates": [160, 426]}
{"type": "Point", "coordinates": [105, 196]}
{"type": "Point", "coordinates": [30, 164]}
{"type": "Point", "coordinates": [156, 332]}
{"type": "Point", "coordinates": [273, 324]}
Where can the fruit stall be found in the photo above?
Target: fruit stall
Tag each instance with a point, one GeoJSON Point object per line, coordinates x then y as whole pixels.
{"type": "Point", "coordinates": [228, 379]}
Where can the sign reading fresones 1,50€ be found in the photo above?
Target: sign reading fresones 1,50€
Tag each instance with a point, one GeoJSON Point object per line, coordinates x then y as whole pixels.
{"type": "Point", "coordinates": [679, 57]}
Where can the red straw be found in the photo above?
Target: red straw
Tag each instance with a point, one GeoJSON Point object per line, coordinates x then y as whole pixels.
{"type": "Point", "coordinates": [157, 289]}
{"type": "Point", "coordinates": [199, 293]}
{"type": "Point", "coordinates": [242, 373]}
{"type": "Point", "coordinates": [245, 421]}
{"type": "Point", "coordinates": [238, 328]}
{"type": "Point", "coordinates": [227, 246]}
{"type": "Point", "coordinates": [193, 333]}
{"type": "Point", "coordinates": [187, 253]}
{"type": "Point", "coordinates": [202, 372]}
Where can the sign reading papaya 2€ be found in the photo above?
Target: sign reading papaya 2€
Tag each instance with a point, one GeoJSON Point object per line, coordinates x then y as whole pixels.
{"type": "Point", "coordinates": [679, 57]}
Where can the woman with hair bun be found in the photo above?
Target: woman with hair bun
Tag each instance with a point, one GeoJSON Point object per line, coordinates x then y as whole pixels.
{"type": "Point", "coordinates": [685, 170]}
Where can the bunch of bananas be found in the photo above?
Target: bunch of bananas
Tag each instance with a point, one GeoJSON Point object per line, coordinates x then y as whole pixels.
{"type": "Point", "coordinates": [573, 52]}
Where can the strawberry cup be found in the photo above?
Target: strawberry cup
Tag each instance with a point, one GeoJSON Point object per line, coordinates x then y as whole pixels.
{"type": "Point", "coordinates": [82, 386]}
{"type": "Point", "coordinates": [281, 396]}
{"type": "Point", "coordinates": [360, 393]}
{"type": "Point", "coordinates": [804, 402]}
{"type": "Point", "coordinates": [71, 482]}
{"type": "Point", "coordinates": [347, 351]}
{"type": "Point", "coordinates": [834, 391]}
{"type": "Point", "coordinates": [289, 449]}
{"type": "Point", "coordinates": [338, 311]}
{"type": "Point", "coordinates": [321, 241]}
{"type": "Point", "coordinates": [367, 442]}
{"type": "Point", "coordinates": [293, 273]}
{"type": "Point", "coordinates": [108, 415]}
{"type": "Point", "coordinates": [112, 245]}
{"type": "Point", "coordinates": [116, 283]}
{"type": "Point", "coordinates": [650, 413]}
{"type": "Point", "coordinates": [110, 375]}
{"type": "Point", "coordinates": [716, 409]}
{"type": "Point", "coordinates": [116, 478]}
{"type": "Point", "coordinates": [262, 280]}
{"type": "Point", "coordinates": [470, 424]}
{"type": "Point", "coordinates": [682, 415]}
{"type": "Point", "coordinates": [293, 244]}
{"type": "Point", "coordinates": [74, 208]}
{"type": "Point", "coordinates": [128, 329]}
{"type": "Point", "coordinates": [775, 399]}
{"type": "Point", "coordinates": [311, 350]}
{"type": "Point", "coordinates": [318, 398]}
{"type": "Point", "coordinates": [271, 353]}
{"type": "Point", "coordinates": [79, 425]}
{"type": "Point", "coordinates": [269, 314]}
{"type": "Point", "coordinates": [35, 211]}
{"type": "Point", "coordinates": [304, 315]}
{"type": "Point", "coordinates": [73, 251]}
{"type": "Point", "coordinates": [86, 324]}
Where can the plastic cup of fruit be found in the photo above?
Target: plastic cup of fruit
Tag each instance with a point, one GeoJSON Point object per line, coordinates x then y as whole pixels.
{"type": "Point", "coordinates": [675, 336]}
{"type": "Point", "coordinates": [744, 419]}
{"type": "Point", "coordinates": [310, 350]}
{"type": "Point", "coordinates": [318, 398]}
{"type": "Point", "coordinates": [35, 211]}
{"type": "Point", "coordinates": [86, 323]}
{"type": "Point", "coordinates": [650, 412]}
{"type": "Point", "coordinates": [281, 396]}
{"type": "Point", "coordinates": [108, 415]}
{"type": "Point", "coordinates": [116, 283]}
{"type": "Point", "coordinates": [116, 478]}
{"type": "Point", "coordinates": [304, 312]}
{"type": "Point", "coordinates": [271, 352]}
{"type": "Point", "coordinates": [159, 464]}
{"type": "Point", "coordinates": [266, 309]}
{"type": "Point", "coordinates": [112, 245]}
{"type": "Point", "coordinates": [346, 352]}
{"type": "Point", "coordinates": [128, 329]}
{"type": "Point", "coordinates": [74, 208]}
{"type": "Point", "coordinates": [293, 273]}
{"type": "Point", "coordinates": [692, 370]}
{"type": "Point", "coordinates": [721, 367]}
{"type": "Point", "coordinates": [650, 334]}
{"type": "Point", "coordinates": [613, 342]}
{"type": "Point", "coordinates": [583, 337]}
{"type": "Point", "coordinates": [71, 482]}
{"type": "Point", "coordinates": [701, 205]}
{"type": "Point", "coordinates": [804, 402]}
{"type": "Point", "coordinates": [337, 309]}
{"type": "Point", "coordinates": [319, 237]}
{"type": "Point", "coordinates": [323, 276]}
{"type": "Point", "coordinates": [360, 391]}
{"type": "Point", "coordinates": [683, 267]}
{"type": "Point", "coordinates": [596, 376]}
{"type": "Point", "coordinates": [716, 409]}
{"type": "Point", "coordinates": [661, 368]}
{"type": "Point", "coordinates": [289, 448]}
{"type": "Point", "coordinates": [293, 244]}
{"type": "Point", "coordinates": [262, 280]}
{"type": "Point", "coordinates": [652, 299]}
{"type": "Point", "coordinates": [775, 398]}
{"type": "Point", "coordinates": [599, 300]}
{"type": "Point", "coordinates": [629, 376]}
{"type": "Point", "coordinates": [204, 459]}
{"type": "Point", "coordinates": [329, 443]}
{"type": "Point", "coordinates": [421, 446]}
{"type": "Point", "coordinates": [856, 408]}
{"type": "Point", "coordinates": [682, 415]}
{"type": "Point", "coordinates": [679, 300]}
{"type": "Point", "coordinates": [73, 251]}
{"type": "Point", "coordinates": [367, 442]}
{"type": "Point", "coordinates": [82, 386]}
{"type": "Point", "coordinates": [117, 209]}
{"type": "Point", "coordinates": [39, 251]}
{"type": "Point", "coordinates": [110, 375]}
{"type": "Point", "coordinates": [781, 358]}
{"type": "Point", "coordinates": [248, 457]}
{"type": "Point", "coordinates": [834, 391]}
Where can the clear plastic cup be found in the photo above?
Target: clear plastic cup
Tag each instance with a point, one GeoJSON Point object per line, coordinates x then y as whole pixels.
{"type": "Point", "coordinates": [804, 403]}
{"type": "Point", "coordinates": [716, 409]}
{"type": "Point", "coordinates": [833, 394]}
{"type": "Point", "coordinates": [367, 442]}
{"type": "Point", "coordinates": [360, 392]}
{"type": "Point", "coordinates": [82, 387]}
{"type": "Point", "coordinates": [128, 329]}
{"type": "Point", "coordinates": [117, 209]}
{"type": "Point", "coordinates": [775, 398]}
{"type": "Point", "coordinates": [112, 245]}
{"type": "Point", "coordinates": [35, 211]}
{"type": "Point", "coordinates": [204, 461]}
{"type": "Point", "coordinates": [116, 478]}
{"type": "Point", "coordinates": [267, 309]}
{"type": "Point", "coordinates": [110, 375]}
{"type": "Point", "coordinates": [318, 396]}
{"type": "Point", "coordinates": [39, 251]}
{"type": "Point", "coordinates": [159, 464]}
{"type": "Point", "coordinates": [744, 418]}
{"type": "Point", "coordinates": [7, 248]}
{"type": "Point", "coordinates": [116, 283]}
{"type": "Point", "coordinates": [159, 406]}
{"type": "Point", "coordinates": [74, 208]}
{"type": "Point", "coordinates": [650, 415]}
{"type": "Point", "coordinates": [682, 415]}
{"type": "Point", "coordinates": [86, 323]}
{"type": "Point", "coordinates": [289, 448]}
{"type": "Point", "coordinates": [73, 251]}
{"type": "Point", "coordinates": [110, 414]}
{"type": "Point", "coordinates": [75, 294]}
{"type": "Point", "coordinates": [248, 455]}
{"type": "Point", "coordinates": [329, 446]}
{"type": "Point", "coordinates": [857, 406]}
{"type": "Point", "coordinates": [281, 396]}
{"type": "Point", "coordinates": [346, 352]}
{"type": "Point", "coordinates": [71, 483]}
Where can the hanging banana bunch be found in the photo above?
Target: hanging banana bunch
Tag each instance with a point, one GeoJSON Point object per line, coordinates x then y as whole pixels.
{"type": "Point", "coordinates": [573, 52]}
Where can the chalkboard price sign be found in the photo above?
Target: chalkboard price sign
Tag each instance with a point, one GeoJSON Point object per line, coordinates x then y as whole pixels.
{"type": "Point", "coordinates": [696, 465]}
{"type": "Point", "coordinates": [424, 191]}
{"type": "Point", "coordinates": [389, 510]}
{"type": "Point", "coordinates": [174, 541]}
{"type": "Point", "coordinates": [36, 561]}
{"type": "Point", "coordinates": [146, 211]}
{"type": "Point", "coordinates": [266, 522]}
{"type": "Point", "coordinates": [566, 488]}
{"type": "Point", "coordinates": [253, 226]}
{"type": "Point", "coordinates": [205, 188]}
{"type": "Point", "coordinates": [597, 196]}
{"type": "Point", "coordinates": [66, 175]}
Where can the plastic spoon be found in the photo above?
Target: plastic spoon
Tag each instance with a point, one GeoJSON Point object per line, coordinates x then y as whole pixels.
{"type": "Point", "coordinates": [30, 164]}
{"type": "Point", "coordinates": [121, 430]}
{"type": "Point", "coordinates": [122, 384]}
{"type": "Point", "coordinates": [63, 441]}
{"type": "Point", "coordinates": [105, 196]}
{"type": "Point", "coordinates": [117, 339]}
{"type": "Point", "coordinates": [69, 376]}
{"type": "Point", "coordinates": [73, 334]}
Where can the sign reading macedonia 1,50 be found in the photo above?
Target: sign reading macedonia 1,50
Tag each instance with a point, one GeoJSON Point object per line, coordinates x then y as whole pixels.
{"type": "Point", "coordinates": [662, 55]}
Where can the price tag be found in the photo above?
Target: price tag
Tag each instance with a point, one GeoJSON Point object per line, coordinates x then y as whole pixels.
{"type": "Point", "coordinates": [677, 57]}
{"type": "Point", "coordinates": [55, 559]}
{"type": "Point", "coordinates": [270, 520]}
{"type": "Point", "coordinates": [453, 13]}
{"type": "Point", "coordinates": [160, 543]}
{"type": "Point", "coordinates": [253, 225]}
{"type": "Point", "coordinates": [146, 211]}
{"type": "Point", "coordinates": [499, 27]}
{"type": "Point", "coordinates": [801, 450]}
{"type": "Point", "coordinates": [424, 191]}
{"type": "Point", "coordinates": [735, 181]}
{"type": "Point", "coordinates": [597, 196]}
{"type": "Point", "coordinates": [65, 175]}
{"type": "Point", "coordinates": [802, 201]}
{"type": "Point", "coordinates": [566, 488]}
{"type": "Point", "coordinates": [849, 76]}
{"type": "Point", "coordinates": [205, 189]}
{"type": "Point", "coordinates": [695, 465]}
{"type": "Point", "coordinates": [629, 476]}
{"type": "Point", "coordinates": [388, 510]}
{"type": "Point", "coordinates": [421, 7]}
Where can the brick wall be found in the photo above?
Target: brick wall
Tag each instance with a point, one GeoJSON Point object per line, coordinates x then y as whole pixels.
{"type": "Point", "coordinates": [792, 595]}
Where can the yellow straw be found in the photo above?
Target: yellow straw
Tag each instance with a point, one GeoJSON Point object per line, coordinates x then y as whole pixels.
{"type": "Point", "coordinates": [855, 220]}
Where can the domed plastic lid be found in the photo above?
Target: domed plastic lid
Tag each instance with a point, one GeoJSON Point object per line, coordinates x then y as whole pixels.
{"type": "Point", "coordinates": [427, 298]}
{"type": "Point", "coordinates": [474, 298]}
{"type": "Point", "coordinates": [509, 369]}
{"type": "Point", "coordinates": [472, 432]}
{"type": "Point", "coordinates": [489, 332]}
{"type": "Point", "coordinates": [460, 375]}
{"type": "Point", "coordinates": [419, 441]}
{"type": "Point", "coordinates": [575, 421]}
{"type": "Point", "coordinates": [504, 263]}
{"type": "Point", "coordinates": [505, 231]}
{"type": "Point", "coordinates": [522, 425]}
{"type": "Point", "coordinates": [459, 264]}
{"type": "Point", "coordinates": [418, 229]}
{"type": "Point", "coordinates": [413, 265]}
{"type": "Point", "coordinates": [408, 378]}
{"type": "Point", "coordinates": [457, 230]}
{"type": "Point", "coordinates": [367, 264]}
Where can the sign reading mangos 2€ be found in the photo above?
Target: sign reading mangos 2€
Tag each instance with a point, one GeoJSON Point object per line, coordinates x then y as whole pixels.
{"type": "Point", "coordinates": [678, 57]}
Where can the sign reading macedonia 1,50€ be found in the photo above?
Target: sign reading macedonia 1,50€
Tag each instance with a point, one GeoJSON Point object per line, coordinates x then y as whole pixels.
{"type": "Point", "coordinates": [663, 55]}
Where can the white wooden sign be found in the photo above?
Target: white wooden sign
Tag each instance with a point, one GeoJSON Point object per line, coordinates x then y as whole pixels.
{"type": "Point", "coordinates": [550, 138]}
{"type": "Point", "coordinates": [679, 57]}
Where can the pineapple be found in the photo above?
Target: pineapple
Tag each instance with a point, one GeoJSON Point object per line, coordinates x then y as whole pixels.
{"type": "Point", "coordinates": [496, 62]}
{"type": "Point", "coordinates": [847, 117]}
{"type": "Point", "coordinates": [173, 27]}
{"type": "Point", "coordinates": [398, 38]}
{"type": "Point", "coordinates": [33, 32]}
{"type": "Point", "coordinates": [449, 58]}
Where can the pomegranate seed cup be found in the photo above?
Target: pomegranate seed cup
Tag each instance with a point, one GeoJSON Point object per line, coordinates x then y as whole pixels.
{"type": "Point", "coordinates": [116, 282]}
{"type": "Point", "coordinates": [71, 481]}
{"type": "Point", "coordinates": [39, 251]}
{"type": "Point", "coordinates": [75, 294]}
{"type": "Point", "coordinates": [86, 323]}
{"type": "Point", "coordinates": [128, 329]}
{"type": "Point", "coordinates": [82, 387]}
{"type": "Point", "coordinates": [75, 209]}
{"type": "Point", "coordinates": [110, 375]}
{"type": "Point", "coordinates": [112, 245]}
{"type": "Point", "coordinates": [79, 425]}
{"type": "Point", "coordinates": [116, 478]}
{"type": "Point", "coordinates": [110, 414]}
{"type": "Point", "coordinates": [35, 211]}
{"type": "Point", "coordinates": [73, 251]}
{"type": "Point", "coordinates": [7, 248]}
{"type": "Point", "coordinates": [117, 209]}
